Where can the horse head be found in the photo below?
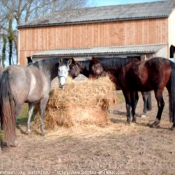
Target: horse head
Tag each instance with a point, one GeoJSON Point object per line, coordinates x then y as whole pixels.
{"type": "Point", "coordinates": [95, 67]}
{"type": "Point", "coordinates": [63, 71]}
{"type": "Point", "coordinates": [75, 68]}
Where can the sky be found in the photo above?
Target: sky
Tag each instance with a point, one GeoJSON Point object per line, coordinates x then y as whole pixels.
{"type": "Point", "coordinates": [116, 2]}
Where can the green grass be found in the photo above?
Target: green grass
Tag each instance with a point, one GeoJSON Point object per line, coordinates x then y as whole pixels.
{"type": "Point", "coordinates": [23, 115]}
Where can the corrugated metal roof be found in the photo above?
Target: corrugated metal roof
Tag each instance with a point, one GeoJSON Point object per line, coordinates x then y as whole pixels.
{"type": "Point", "coordinates": [159, 9]}
{"type": "Point", "coordinates": [131, 49]}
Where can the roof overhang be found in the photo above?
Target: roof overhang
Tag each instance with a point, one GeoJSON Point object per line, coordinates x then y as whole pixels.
{"type": "Point", "coordinates": [90, 21]}
{"type": "Point", "coordinates": [94, 51]}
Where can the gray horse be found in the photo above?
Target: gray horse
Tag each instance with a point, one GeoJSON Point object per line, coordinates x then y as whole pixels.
{"type": "Point", "coordinates": [30, 85]}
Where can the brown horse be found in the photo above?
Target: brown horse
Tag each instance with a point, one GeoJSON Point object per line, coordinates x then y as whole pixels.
{"type": "Point", "coordinates": [153, 74]}
{"type": "Point", "coordinates": [96, 70]}
{"type": "Point", "coordinates": [30, 85]}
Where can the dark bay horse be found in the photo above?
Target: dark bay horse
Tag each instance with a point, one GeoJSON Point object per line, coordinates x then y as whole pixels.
{"type": "Point", "coordinates": [30, 85]}
{"type": "Point", "coordinates": [153, 74]}
{"type": "Point", "coordinates": [105, 66]}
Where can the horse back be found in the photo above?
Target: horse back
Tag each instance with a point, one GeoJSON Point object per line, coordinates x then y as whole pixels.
{"type": "Point", "coordinates": [146, 75]}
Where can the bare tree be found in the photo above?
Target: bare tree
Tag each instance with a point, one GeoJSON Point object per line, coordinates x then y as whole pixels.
{"type": "Point", "coordinates": [20, 11]}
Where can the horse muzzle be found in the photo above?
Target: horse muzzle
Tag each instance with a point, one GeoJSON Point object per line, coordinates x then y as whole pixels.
{"type": "Point", "coordinates": [62, 82]}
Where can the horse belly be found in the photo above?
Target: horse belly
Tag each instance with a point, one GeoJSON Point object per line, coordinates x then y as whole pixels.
{"type": "Point", "coordinates": [34, 97]}
{"type": "Point", "coordinates": [141, 83]}
{"type": "Point", "coordinates": [143, 87]}
{"type": "Point", "coordinates": [39, 87]}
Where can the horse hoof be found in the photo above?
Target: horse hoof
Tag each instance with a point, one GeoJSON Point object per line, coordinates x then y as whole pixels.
{"type": "Point", "coordinates": [128, 122]}
{"type": "Point", "coordinates": [110, 111]}
{"type": "Point", "coordinates": [172, 128]}
{"type": "Point", "coordinates": [143, 116]}
{"type": "Point", "coordinates": [15, 144]}
{"type": "Point", "coordinates": [153, 125]}
{"type": "Point", "coordinates": [134, 121]}
{"type": "Point", "coordinates": [28, 132]}
{"type": "Point", "coordinates": [43, 133]}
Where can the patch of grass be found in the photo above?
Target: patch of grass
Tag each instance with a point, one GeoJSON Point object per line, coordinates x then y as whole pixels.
{"type": "Point", "coordinates": [23, 115]}
{"type": "Point", "coordinates": [1, 136]}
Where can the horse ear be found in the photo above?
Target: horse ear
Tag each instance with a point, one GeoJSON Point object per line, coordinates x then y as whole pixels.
{"type": "Point", "coordinates": [95, 61]}
{"type": "Point", "coordinates": [60, 60]}
{"type": "Point", "coordinates": [70, 61]}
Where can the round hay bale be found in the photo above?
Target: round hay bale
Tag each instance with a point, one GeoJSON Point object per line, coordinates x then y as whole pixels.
{"type": "Point", "coordinates": [79, 103]}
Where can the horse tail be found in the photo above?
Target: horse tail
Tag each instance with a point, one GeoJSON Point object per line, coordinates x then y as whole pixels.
{"type": "Point", "coordinates": [171, 90]}
{"type": "Point", "coordinates": [8, 121]}
{"type": "Point", "coordinates": [149, 101]}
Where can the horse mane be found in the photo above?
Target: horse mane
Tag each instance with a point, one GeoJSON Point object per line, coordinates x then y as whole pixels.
{"type": "Point", "coordinates": [107, 62]}
{"type": "Point", "coordinates": [84, 64]}
{"type": "Point", "coordinates": [134, 60]}
{"type": "Point", "coordinates": [47, 63]}
{"type": "Point", "coordinates": [114, 62]}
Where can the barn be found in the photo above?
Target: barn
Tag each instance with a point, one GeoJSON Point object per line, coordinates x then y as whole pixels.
{"type": "Point", "coordinates": [139, 30]}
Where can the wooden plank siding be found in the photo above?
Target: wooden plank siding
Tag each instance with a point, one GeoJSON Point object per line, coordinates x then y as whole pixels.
{"type": "Point", "coordinates": [118, 33]}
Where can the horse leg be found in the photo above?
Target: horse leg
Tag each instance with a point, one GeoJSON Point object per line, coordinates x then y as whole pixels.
{"type": "Point", "coordinates": [171, 104]}
{"type": "Point", "coordinates": [161, 104]}
{"type": "Point", "coordinates": [30, 112]}
{"type": "Point", "coordinates": [42, 108]}
{"type": "Point", "coordinates": [18, 108]}
{"type": "Point", "coordinates": [128, 107]}
{"type": "Point", "coordinates": [134, 101]}
{"type": "Point", "coordinates": [149, 102]}
{"type": "Point", "coordinates": [145, 98]}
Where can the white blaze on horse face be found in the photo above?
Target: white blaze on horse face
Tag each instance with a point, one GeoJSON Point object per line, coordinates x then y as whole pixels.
{"type": "Point", "coordinates": [63, 72]}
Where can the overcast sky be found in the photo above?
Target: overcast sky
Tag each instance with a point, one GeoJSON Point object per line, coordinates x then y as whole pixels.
{"type": "Point", "coordinates": [115, 2]}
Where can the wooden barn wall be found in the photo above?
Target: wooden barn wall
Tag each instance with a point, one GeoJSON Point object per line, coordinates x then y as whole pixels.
{"type": "Point", "coordinates": [148, 31]}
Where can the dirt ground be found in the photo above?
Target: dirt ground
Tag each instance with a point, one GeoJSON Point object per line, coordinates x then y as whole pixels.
{"type": "Point", "coordinates": [114, 149]}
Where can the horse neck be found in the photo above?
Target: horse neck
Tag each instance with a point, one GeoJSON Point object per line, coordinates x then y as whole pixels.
{"type": "Point", "coordinates": [84, 67]}
{"type": "Point", "coordinates": [47, 67]}
{"type": "Point", "coordinates": [114, 63]}
{"type": "Point", "coordinates": [112, 71]}
{"type": "Point", "coordinates": [85, 72]}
